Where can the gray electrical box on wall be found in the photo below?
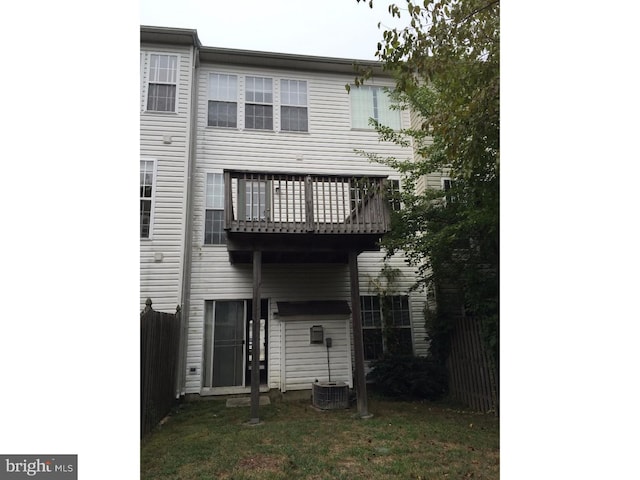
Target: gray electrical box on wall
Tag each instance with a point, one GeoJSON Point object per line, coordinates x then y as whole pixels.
{"type": "Point", "coordinates": [316, 334]}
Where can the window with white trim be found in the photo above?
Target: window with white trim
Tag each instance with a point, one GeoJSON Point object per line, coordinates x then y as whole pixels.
{"type": "Point", "coordinates": [223, 100]}
{"type": "Point", "coordinates": [254, 199]}
{"type": "Point", "coordinates": [293, 106]}
{"type": "Point", "coordinates": [397, 337]}
{"type": "Point", "coordinates": [163, 83]}
{"type": "Point", "coordinates": [230, 94]}
{"type": "Point", "coordinates": [258, 106]}
{"type": "Point", "coordinates": [369, 101]}
{"type": "Point", "coordinates": [147, 190]}
{"type": "Point", "coordinates": [214, 210]}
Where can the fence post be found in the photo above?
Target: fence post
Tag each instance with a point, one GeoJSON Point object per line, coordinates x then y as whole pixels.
{"type": "Point", "coordinates": [180, 365]}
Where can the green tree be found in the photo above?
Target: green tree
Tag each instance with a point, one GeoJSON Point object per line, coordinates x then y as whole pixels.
{"type": "Point", "coordinates": [446, 65]}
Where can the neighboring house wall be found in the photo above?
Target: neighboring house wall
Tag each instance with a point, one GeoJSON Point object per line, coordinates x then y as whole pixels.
{"type": "Point", "coordinates": [164, 141]}
{"type": "Point", "coordinates": [432, 180]}
{"type": "Point", "coordinates": [328, 148]}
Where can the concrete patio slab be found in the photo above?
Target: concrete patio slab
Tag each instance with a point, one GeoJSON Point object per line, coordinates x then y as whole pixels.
{"type": "Point", "coordinates": [246, 401]}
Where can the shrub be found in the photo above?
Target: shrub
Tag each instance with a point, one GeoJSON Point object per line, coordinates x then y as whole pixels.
{"type": "Point", "coordinates": [407, 376]}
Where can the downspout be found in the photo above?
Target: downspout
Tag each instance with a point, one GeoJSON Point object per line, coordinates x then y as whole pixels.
{"type": "Point", "coordinates": [188, 231]}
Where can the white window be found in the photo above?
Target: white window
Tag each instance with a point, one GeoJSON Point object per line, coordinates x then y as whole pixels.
{"type": "Point", "coordinates": [214, 210]}
{"type": "Point", "coordinates": [223, 100]}
{"type": "Point", "coordinates": [293, 106]}
{"type": "Point", "coordinates": [396, 338]}
{"type": "Point", "coordinates": [163, 83]}
{"type": "Point", "coordinates": [258, 108]}
{"type": "Point", "coordinates": [372, 102]}
{"type": "Point", "coordinates": [227, 99]}
{"type": "Point", "coordinates": [147, 191]}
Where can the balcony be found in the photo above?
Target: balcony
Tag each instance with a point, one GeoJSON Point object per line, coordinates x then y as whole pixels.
{"type": "Point", "coordinates": [303, 217]}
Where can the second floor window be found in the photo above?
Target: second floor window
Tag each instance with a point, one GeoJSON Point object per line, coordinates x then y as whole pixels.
{"type": "Point", "coordinates": [253, 103]}
{"type": "Point", "coordinates": [293, 106]}
{"type": "Point", "coordinates": [214, 210]}
{"type": "Point", "coordinates": [223, 100]}
{"type": "Point", "coordinates": [163, 83]}
{"type": "Point", "coordinates": [258, 108]}
{"type": "Point", "coordinates": [372, 102]}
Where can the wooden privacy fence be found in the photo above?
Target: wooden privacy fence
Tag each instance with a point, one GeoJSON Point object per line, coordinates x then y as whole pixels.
{"type": "Point", "coordinates": [472, 380]}
{"type": "Point", "coordinates": [159, 342]}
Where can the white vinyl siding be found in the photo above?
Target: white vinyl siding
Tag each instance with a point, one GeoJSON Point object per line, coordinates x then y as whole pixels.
{"type": "Point", "coordinates": [164, 137]}
{"type": "Point", "coordinates": [372, 102]}
{"type": "Point", "coordinates": [326, 148]}
{"type": "Point", "coordinates": [304, 363]}
{"type": "Point", "coordinates": [215, 278]}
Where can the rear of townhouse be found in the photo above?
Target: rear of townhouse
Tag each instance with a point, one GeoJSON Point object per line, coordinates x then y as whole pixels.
{"type": "Point", "coordinates": [273, 168]}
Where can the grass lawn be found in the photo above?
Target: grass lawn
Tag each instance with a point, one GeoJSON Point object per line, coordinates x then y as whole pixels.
{"type": "Point", "coordinates": [404, 440]}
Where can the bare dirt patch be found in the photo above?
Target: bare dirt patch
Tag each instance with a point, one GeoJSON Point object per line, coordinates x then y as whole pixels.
{"type": "Point", "coordinates": [261, 463]}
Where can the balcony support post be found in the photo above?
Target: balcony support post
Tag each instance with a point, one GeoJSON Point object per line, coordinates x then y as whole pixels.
{"type": "Point", "coordinates": [308, 202]}
{"type": "Point", "coordinates": [358, 347]}
{"type": "Point", "coordinates": [255, 341]}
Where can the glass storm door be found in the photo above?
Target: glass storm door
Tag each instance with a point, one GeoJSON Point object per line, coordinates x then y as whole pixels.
{"type": "Point", "coordinates": [224, 356]}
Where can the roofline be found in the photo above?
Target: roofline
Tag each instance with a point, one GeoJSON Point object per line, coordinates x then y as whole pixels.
{"type": "Point", "coordinates": [185, 36]}
{"type": "Point", "coordinates": [286, 60]}
{"type": "Point", "coordinates": [176, 36]}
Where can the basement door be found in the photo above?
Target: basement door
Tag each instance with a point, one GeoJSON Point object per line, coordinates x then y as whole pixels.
{"type": "Point", "coordinates": [228, 344]}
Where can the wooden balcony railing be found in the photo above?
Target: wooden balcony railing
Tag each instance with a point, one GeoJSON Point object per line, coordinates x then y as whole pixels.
{"type": "Point", "coordinates": [299, 203]}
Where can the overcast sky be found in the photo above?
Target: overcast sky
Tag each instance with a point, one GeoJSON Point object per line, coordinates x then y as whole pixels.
{"type": "Point", "coordinates": [331, 28]}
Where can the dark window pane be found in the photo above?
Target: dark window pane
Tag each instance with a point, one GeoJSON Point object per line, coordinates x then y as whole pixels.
{"type": "Point", "coordinates": [294, 119]}
{"type": "Point", "coordinates": [398, 341]}
{"type": "Point", "coordinates": [258, 117]}
{"type": "Point", "coordinates": [161, 98]}
{"type": "Point", "coordinates": [372, 340]}
{"type": "Point", "coordinates": [145, 218]}
{"type": "Point", "coordinates": [222, 114]}
{"type": "Point", "coordinates": [404, 341]}
{"type": "Point", "coordinates": [214, 228]}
